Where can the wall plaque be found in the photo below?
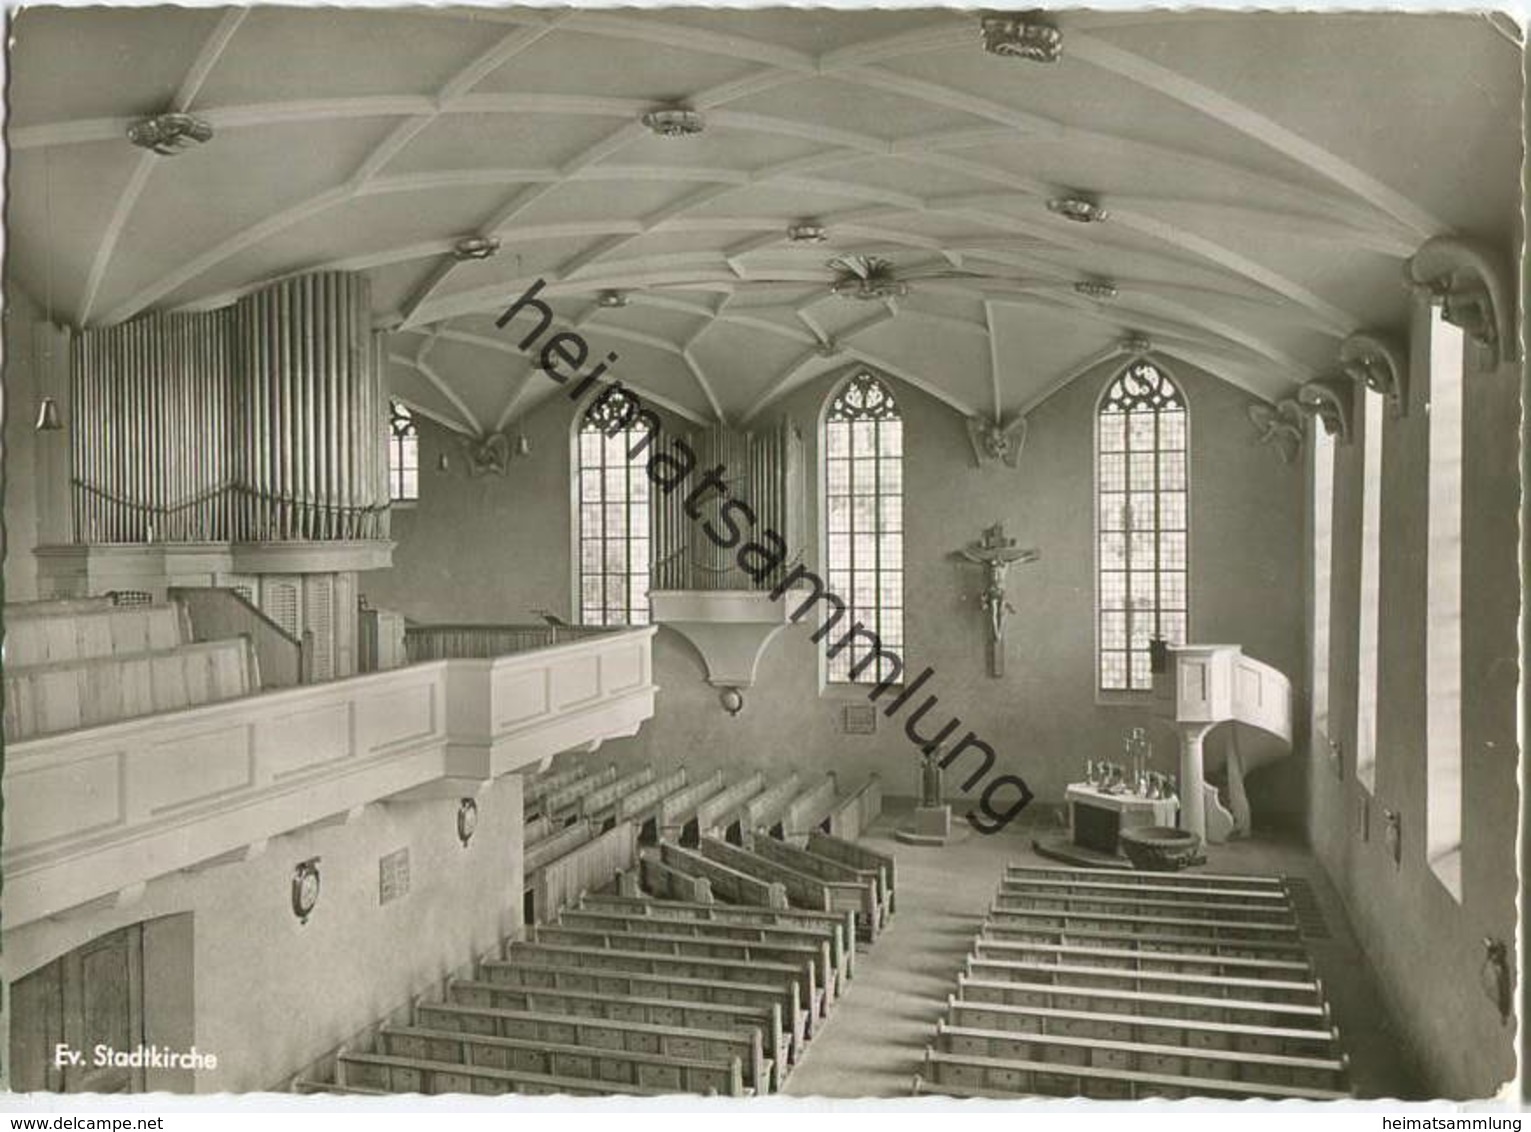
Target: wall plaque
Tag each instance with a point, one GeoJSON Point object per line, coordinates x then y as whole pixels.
{"type": "Point", "coordinates": [393, 876]}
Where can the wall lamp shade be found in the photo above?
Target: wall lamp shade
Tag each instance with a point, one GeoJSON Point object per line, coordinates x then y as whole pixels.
{"type": "Point", "coordinates": [49, 419]}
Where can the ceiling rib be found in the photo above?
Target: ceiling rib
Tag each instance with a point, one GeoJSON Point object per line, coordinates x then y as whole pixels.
{"type": "Point", "coordinates": [191, 86]}
{"type": "Point", "coordinates": [1236, 116]}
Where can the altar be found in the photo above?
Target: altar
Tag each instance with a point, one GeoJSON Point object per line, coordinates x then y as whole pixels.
{"type": "Point", "coordinates": [1097, 817]}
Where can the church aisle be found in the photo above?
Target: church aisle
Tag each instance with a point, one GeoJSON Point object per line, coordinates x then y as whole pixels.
{"type": "Point", "coordinates": [873, 1044]}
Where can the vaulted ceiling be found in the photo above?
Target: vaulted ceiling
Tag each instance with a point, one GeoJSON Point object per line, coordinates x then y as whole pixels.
{"type": "Point", "coordinates": [1265, 177]}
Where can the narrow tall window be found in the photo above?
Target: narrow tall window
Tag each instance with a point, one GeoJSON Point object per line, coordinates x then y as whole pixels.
{"type": "Point", "coordinates": [1142, 553]}
{"type": "Point", "coordinates": [1323, 554]}
{"type": "Point", "coordinates": [864, 523]}
{"type": "Point", "coordinates": [1371, 562]}
{"type": "Point", "coordinates": [613, 516]}
{"type": "Point", "coordinates": [403, 454]}
{"type": "Point", "coordinates": [1443, 617]}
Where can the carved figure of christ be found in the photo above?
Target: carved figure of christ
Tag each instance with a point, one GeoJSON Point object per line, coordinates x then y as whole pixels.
{"type": "Point", "coordinates": [996, 554]}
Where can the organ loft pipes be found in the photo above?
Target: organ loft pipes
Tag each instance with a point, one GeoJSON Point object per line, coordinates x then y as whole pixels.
{"type": "Point", "coordinates": [257, 422]}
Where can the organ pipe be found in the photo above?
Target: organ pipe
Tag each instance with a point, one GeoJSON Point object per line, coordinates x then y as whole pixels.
{"type": "Point", "coordinates": [257, 422]}
{"type": "Point", "coordinates": [762, 470]}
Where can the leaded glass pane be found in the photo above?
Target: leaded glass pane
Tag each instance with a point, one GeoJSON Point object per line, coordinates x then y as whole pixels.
{"type": "Point", "coordinates": [863, 518]}
{"type": "Point", "coordinates": [1141, 551]}
{"type": "Point", "coordinates": [613, 515]}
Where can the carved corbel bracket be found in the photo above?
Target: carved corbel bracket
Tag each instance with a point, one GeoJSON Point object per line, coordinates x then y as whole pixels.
{"type": "Point", "coordinates": [1280, 425]}
{"type": "Point", "coordinates": [1332, 401]}
{"type": "Point", "coordinates": [1377, 362]}
{"type": "Point", "coordinates": [994, 443]}
{"type": "Point", "coordinates": [1472, 285]}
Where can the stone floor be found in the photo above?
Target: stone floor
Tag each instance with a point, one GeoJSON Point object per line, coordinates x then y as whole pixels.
{"type": "Point", "coordinates": [874, 1039]}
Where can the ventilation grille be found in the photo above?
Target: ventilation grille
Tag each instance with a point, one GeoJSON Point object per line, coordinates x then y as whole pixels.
{"type": "Point", "coordinates": [1310, 917]}
{"type": "Point", "coordinates": [319, 618]}
{"type": "Point", "coordinates": [279, 601]}
{"type": "Point", "coordinates": [130, 597]}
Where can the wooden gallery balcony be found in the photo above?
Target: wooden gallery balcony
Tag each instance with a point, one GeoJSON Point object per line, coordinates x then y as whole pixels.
{"type": "Point", "coordinates": [96, 812]}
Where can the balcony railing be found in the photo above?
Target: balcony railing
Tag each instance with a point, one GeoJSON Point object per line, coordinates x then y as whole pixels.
{"type": "Point", "coordinates": [465, 642]}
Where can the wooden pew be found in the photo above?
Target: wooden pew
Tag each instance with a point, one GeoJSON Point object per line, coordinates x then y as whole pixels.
{"type": "Point", "coordinates": [564, 839]}
{"type": "Point", "coordinates": [1244, 1011]}
{"type": "Point", "coordinates": [678, 809]}
{"type": "Point", "coordinates": [1016, 927]}
{"type": "Point", "coordinates": [855, 814]}
{"type": "Point", "coordinates": [841, 925]}
{"type": "Point", "coordinates": [1144, 1057]}
{"type": "Point", "coordinates": [44, 699]}
{"type": "Point", "coordinates": [818, 969]}
{"type": "Point", "coordinates": [636, 984]}
{"type": "Point", "coordinates": [643, 804]}
{"type": "Point", "coordinates": [1295, 1041]}
{"type": "Point", "coordinates": [535, 829]}
{"type": "Point", "coordinates": [716, 814]}
{"type": "Point", "coordinates": [1179, 925]}
{"type": "Point", "coordinates": [564, 803]}
{"type": "Point", "coordinates": [858, 856]}
{"type": "Point", "coordinates": [601, 804]}
{"type": "Point", "coordinates": [1069, 976]}
{"type": "Point", "coordinates": [764, 810]}
{"type": "Point", "coordinates": [1017, 879]}
{"type": "Point", "coordinates": [536, 1049]}
{"type": "Point", "coordinates": [726, 882]}
{"type": "Point", "coordinates": [801, 888]}
{"type": "Point", "coordinates": [615, 921]}
{"type": "Point", "coordinates": [991, 945]}
{"type": "Point", "coordinates": [591, 865]}
{"type": "Point", "coordinates": [1144, 879]}
{"type": "Point", "coordinates": [389, 1074]}
{"type": "Point", "coordinates": [534, 790]}
{"type": "Point", "coordinates": [971, 1076]}
{"type": "Point", "coordinates": [754, 1032]}
{"type": "Point", "coordinates": [59, 632]}
{"type": "Point", "coordinates": [810, 809]}
{"type": "Point", "coordinates": [825, 869]}
{"type": "Point", "coordinates": [804, 991]}
{"type": "Point", "coordinates": [306, 1087]}
{"type": "Point", "coordinates": [671, 884]}
{"type": "Point", "coordinates": [799, 992]}
{"type": "Point", "coordinates": [1011, 897]}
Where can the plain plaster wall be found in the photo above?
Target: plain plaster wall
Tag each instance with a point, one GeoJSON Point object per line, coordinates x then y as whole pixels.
{"type": "Point", "coordinates": [1426, 947]}
{"type": "Point", "coordinates": [274, 994]}
{"type": "Point", "coordinates": [491, 549]}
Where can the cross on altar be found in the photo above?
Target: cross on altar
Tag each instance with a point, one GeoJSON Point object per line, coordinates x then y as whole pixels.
{"type": "Point", "coordinates": [996, 554]}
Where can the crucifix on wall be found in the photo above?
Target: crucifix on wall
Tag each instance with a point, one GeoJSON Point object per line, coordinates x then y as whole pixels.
{"type": "Point", "coordinates": [996, 554]}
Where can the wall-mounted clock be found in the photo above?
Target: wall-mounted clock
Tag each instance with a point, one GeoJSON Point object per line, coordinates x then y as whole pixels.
{"type": "Point", "coordinates": [467, 820]}
{"type": "Point", "coordinates": [305, 888]}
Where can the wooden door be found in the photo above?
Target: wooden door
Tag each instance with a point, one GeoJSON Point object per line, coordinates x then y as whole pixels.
{"type": "Point", "coordinates": [90, 998]}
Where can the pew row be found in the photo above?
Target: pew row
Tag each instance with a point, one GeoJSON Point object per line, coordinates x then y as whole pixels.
{"type": "Point", "coordinates": [1124, 937]}
{"type": "Point", "coordinates": [600, 805]}
{"type": "Point", "coordinates": [764, 810]}
{"type": "Point", "coordinates": [1072, 976]}
{"type": "Point", "coordinates": [840, 924]}
{"type": "Point", "coordinates": [677, 810]}
{"type": "Point", "coordinates": [860, 857]}
{"type": "Point", "coordinates": [966, 1075]}
{"type": "Point", "coordinates": [1151, 879]}
{"type": "Point", "coordinates": [819, 972]}
{"type": "Point", "coordinates": [756, 1030]}
{"type": "Point", "coordinates": [564, 803]}
{"type": "Point", "coordinates": [855, 814]}
{"type": "Point", "coordinates": [563, 840]}
{"type": "Point", "coordinates": [990, 945]}
{"type": "Point", "coordinates": [716, 814]}
{"type": "Point", "coordinates": [1253, 1012]}
{"type": "Point", "coordinates": [644, 804]}
{"type": "Point", "coordinates": [726, 882]}
{"type": "Point", "coordinates": [1147, 1057]}
{"type": "Point", "coordinates": [44, 699]}
{"type": "Point", "coordinates": [391, 1074]}
{"type": "Point", "coordinates": [616, 921]}
{"type": "Point", "coordinates": [63, 631]}
{"type": "Point", "coordinates": [801, 888]}
{"type": "Point", "coordinates": [594, 864]}
{"type": "Point", "coordinates": [795, 982]}
{"type": "Point", "coordinates": [810, 810]}
{"type": "Point", "coordinates": [681, 1061]}
{"type": "Point", "coordinates": [826, 869]}
{"type": "Point", "coordinates": [636, 984]}
{"type": "Point", "coordinates": [670, 883]}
